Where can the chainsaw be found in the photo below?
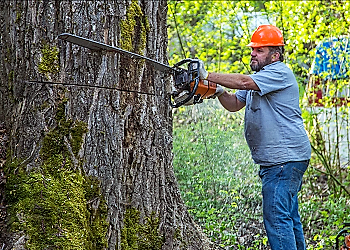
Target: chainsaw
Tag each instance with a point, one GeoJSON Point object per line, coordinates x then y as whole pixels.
{"type": "Point", "coordinates": [187, 88]}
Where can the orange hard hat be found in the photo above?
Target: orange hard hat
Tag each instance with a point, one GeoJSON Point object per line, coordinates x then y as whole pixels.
{"type": "Point", "coordinates": [266, 35]}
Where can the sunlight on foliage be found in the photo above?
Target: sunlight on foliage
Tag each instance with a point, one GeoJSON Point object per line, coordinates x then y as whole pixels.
{"type": "Point", "coordinates": [212, 162]}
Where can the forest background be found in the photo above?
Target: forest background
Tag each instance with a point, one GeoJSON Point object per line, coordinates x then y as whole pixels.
{"type": "Point", "coordinates": [217, 177]}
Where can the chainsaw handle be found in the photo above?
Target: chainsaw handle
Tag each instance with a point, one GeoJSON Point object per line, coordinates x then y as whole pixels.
{"type": "Point", "coordinates": [193, 76]}
{"type": "Point", "coordinates": [188, 60]}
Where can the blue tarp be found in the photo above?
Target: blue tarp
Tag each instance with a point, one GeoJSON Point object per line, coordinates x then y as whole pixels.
{"type": "Point", "coordinates": [332, 60]}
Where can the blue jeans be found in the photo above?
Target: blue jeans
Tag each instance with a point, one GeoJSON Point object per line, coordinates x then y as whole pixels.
{"type": "Point", "coordinates": [280, 187]}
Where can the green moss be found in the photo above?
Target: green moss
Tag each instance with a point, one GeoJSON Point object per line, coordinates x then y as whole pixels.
{"type": "Point", "coordinates": [77, 132]}
{"type": "Point", "coordinates": [44, 106]}
{"type": "Point", "coordinates": [11, 76]}
{"type": "Point", "coordinates": [178, 237]}
{"type": "Point", "coordinates": [54, 143]}
{"type": "Point", "coordinates": [49, 61]}
{"type": "Point", "coordinates": [56, 205]}
{"type": "Point", "coordinates": [18, 17]}
{"type": "Point", "coordinates": [137, 236]}
{"type": "Point", "coordinates": [134, 29]}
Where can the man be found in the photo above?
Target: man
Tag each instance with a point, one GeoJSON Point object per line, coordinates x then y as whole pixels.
{"type": "Point", "coordinates": [274, 131]}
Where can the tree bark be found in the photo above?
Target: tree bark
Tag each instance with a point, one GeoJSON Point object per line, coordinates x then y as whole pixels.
{"type": "Point", "coordinates": [87, 168]}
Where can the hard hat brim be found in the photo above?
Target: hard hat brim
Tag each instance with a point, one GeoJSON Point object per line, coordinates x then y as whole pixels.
{"type": "Point", "coordinates": [255, 45]}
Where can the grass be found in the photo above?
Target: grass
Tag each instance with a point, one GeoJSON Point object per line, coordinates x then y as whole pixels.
{"type": "Point", "coordinates": [220, 185]}
{"type": "Point", "coordinates": [217, 177]}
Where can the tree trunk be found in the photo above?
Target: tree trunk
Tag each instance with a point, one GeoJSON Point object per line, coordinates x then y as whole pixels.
{"type": "Point", "coordinates": [87, 168]}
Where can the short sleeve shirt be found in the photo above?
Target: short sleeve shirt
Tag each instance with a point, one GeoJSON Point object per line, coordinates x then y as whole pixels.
{"type": "Point", "coordinates": [274, 128]}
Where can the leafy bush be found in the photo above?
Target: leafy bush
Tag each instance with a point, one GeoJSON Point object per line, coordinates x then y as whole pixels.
{"type": "Point", "coordinates": [221, 188]}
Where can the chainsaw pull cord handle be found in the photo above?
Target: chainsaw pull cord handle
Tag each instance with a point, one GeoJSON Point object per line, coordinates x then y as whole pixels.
{"type": "Point", "coordinates": [191, 71]}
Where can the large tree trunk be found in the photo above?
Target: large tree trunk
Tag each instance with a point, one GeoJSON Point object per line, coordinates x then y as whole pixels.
{"type": "Point", "coordinates": [87, 168]}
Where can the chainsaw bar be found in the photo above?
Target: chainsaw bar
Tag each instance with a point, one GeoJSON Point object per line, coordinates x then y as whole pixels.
{"type": "Point", "coordinates": [97, 46]}
{"type": "Point", "coordinates": [186, 81]}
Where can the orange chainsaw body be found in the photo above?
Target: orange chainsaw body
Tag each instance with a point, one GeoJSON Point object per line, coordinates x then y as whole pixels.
{"type": "Point", "coordinates": [205, 90]}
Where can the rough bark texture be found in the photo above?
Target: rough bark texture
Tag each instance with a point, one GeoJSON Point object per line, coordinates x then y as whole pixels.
{"type": "Point", "coordinates": [87, 165]}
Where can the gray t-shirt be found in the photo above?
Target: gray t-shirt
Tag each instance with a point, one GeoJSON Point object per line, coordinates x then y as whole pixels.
{"type": "Point", "coordinates": [274, 128]}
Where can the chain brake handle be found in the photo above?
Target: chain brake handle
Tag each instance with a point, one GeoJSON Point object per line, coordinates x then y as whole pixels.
{"type": "Point", "coordinates": [187, 76]}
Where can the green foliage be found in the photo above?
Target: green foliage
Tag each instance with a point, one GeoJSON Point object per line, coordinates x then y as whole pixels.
{"type": "Point", "coordinates": [221, 188]}
{"type": "Point", "coordinates": [49, 61]}
{"type": "Point", "coordinates": [305, 24]}
{"type": "Point", "coordinates": [55, 205]}
{"type": "Point", "coordinates": [217, 178]}
{"type": "Point", "coordinates": [135, 235]}
{"type": "Point", "coordinates": [322, 217]}
{"type": "Point", "coordinates": [217, 32]}
{"type": "Point", "coordinates": [329, 135]}
{"type": "Point", "coordinates": [211, 31]}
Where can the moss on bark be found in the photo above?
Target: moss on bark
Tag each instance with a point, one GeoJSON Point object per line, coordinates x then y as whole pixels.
{"type": "Point", "coordinates": [134, 29]}
{"type": "Point", "coordinates": [137, 236]}
{"type": "Point", "coordinates": [56, 206]}
{"type": "Point", "coordinates": [49, 61]}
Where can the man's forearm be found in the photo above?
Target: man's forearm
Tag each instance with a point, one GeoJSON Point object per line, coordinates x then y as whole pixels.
{"type": "Point", "coordinates": [233, 81]}
{"type": "Point", "coordinates": [230, 102]}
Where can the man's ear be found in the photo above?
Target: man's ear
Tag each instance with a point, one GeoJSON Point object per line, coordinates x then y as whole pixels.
{"type": "Point", "coordinates": [276, 57]}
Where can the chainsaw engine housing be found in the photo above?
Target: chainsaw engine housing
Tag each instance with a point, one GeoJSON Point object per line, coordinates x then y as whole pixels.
{"type": "Point", "coordinates": [188, 89]}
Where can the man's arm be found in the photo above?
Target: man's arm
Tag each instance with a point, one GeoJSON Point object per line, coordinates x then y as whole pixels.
{"type": "Point", "coordinates": [233, 81]}
{"type": "Point", "coordinates": [230, 102]}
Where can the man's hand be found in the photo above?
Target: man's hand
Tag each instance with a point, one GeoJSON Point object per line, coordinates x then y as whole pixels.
{"type": "Point", "coordinates": [203, 74]}
{"type": "Point", "coordinates": [219, 91]}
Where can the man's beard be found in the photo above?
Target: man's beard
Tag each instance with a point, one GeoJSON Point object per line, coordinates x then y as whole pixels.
{"type": "Point", "coordinates": [257, 67]}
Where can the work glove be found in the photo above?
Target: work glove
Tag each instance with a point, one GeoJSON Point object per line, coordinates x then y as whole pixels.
{"type": "Point", "coordinates": [219, 91]}
{"type": "Point", "coordinates": [203, 74]}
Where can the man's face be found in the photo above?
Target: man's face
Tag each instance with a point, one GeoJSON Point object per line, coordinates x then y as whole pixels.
{"type": "Point", "coordinates": [259, 57]}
